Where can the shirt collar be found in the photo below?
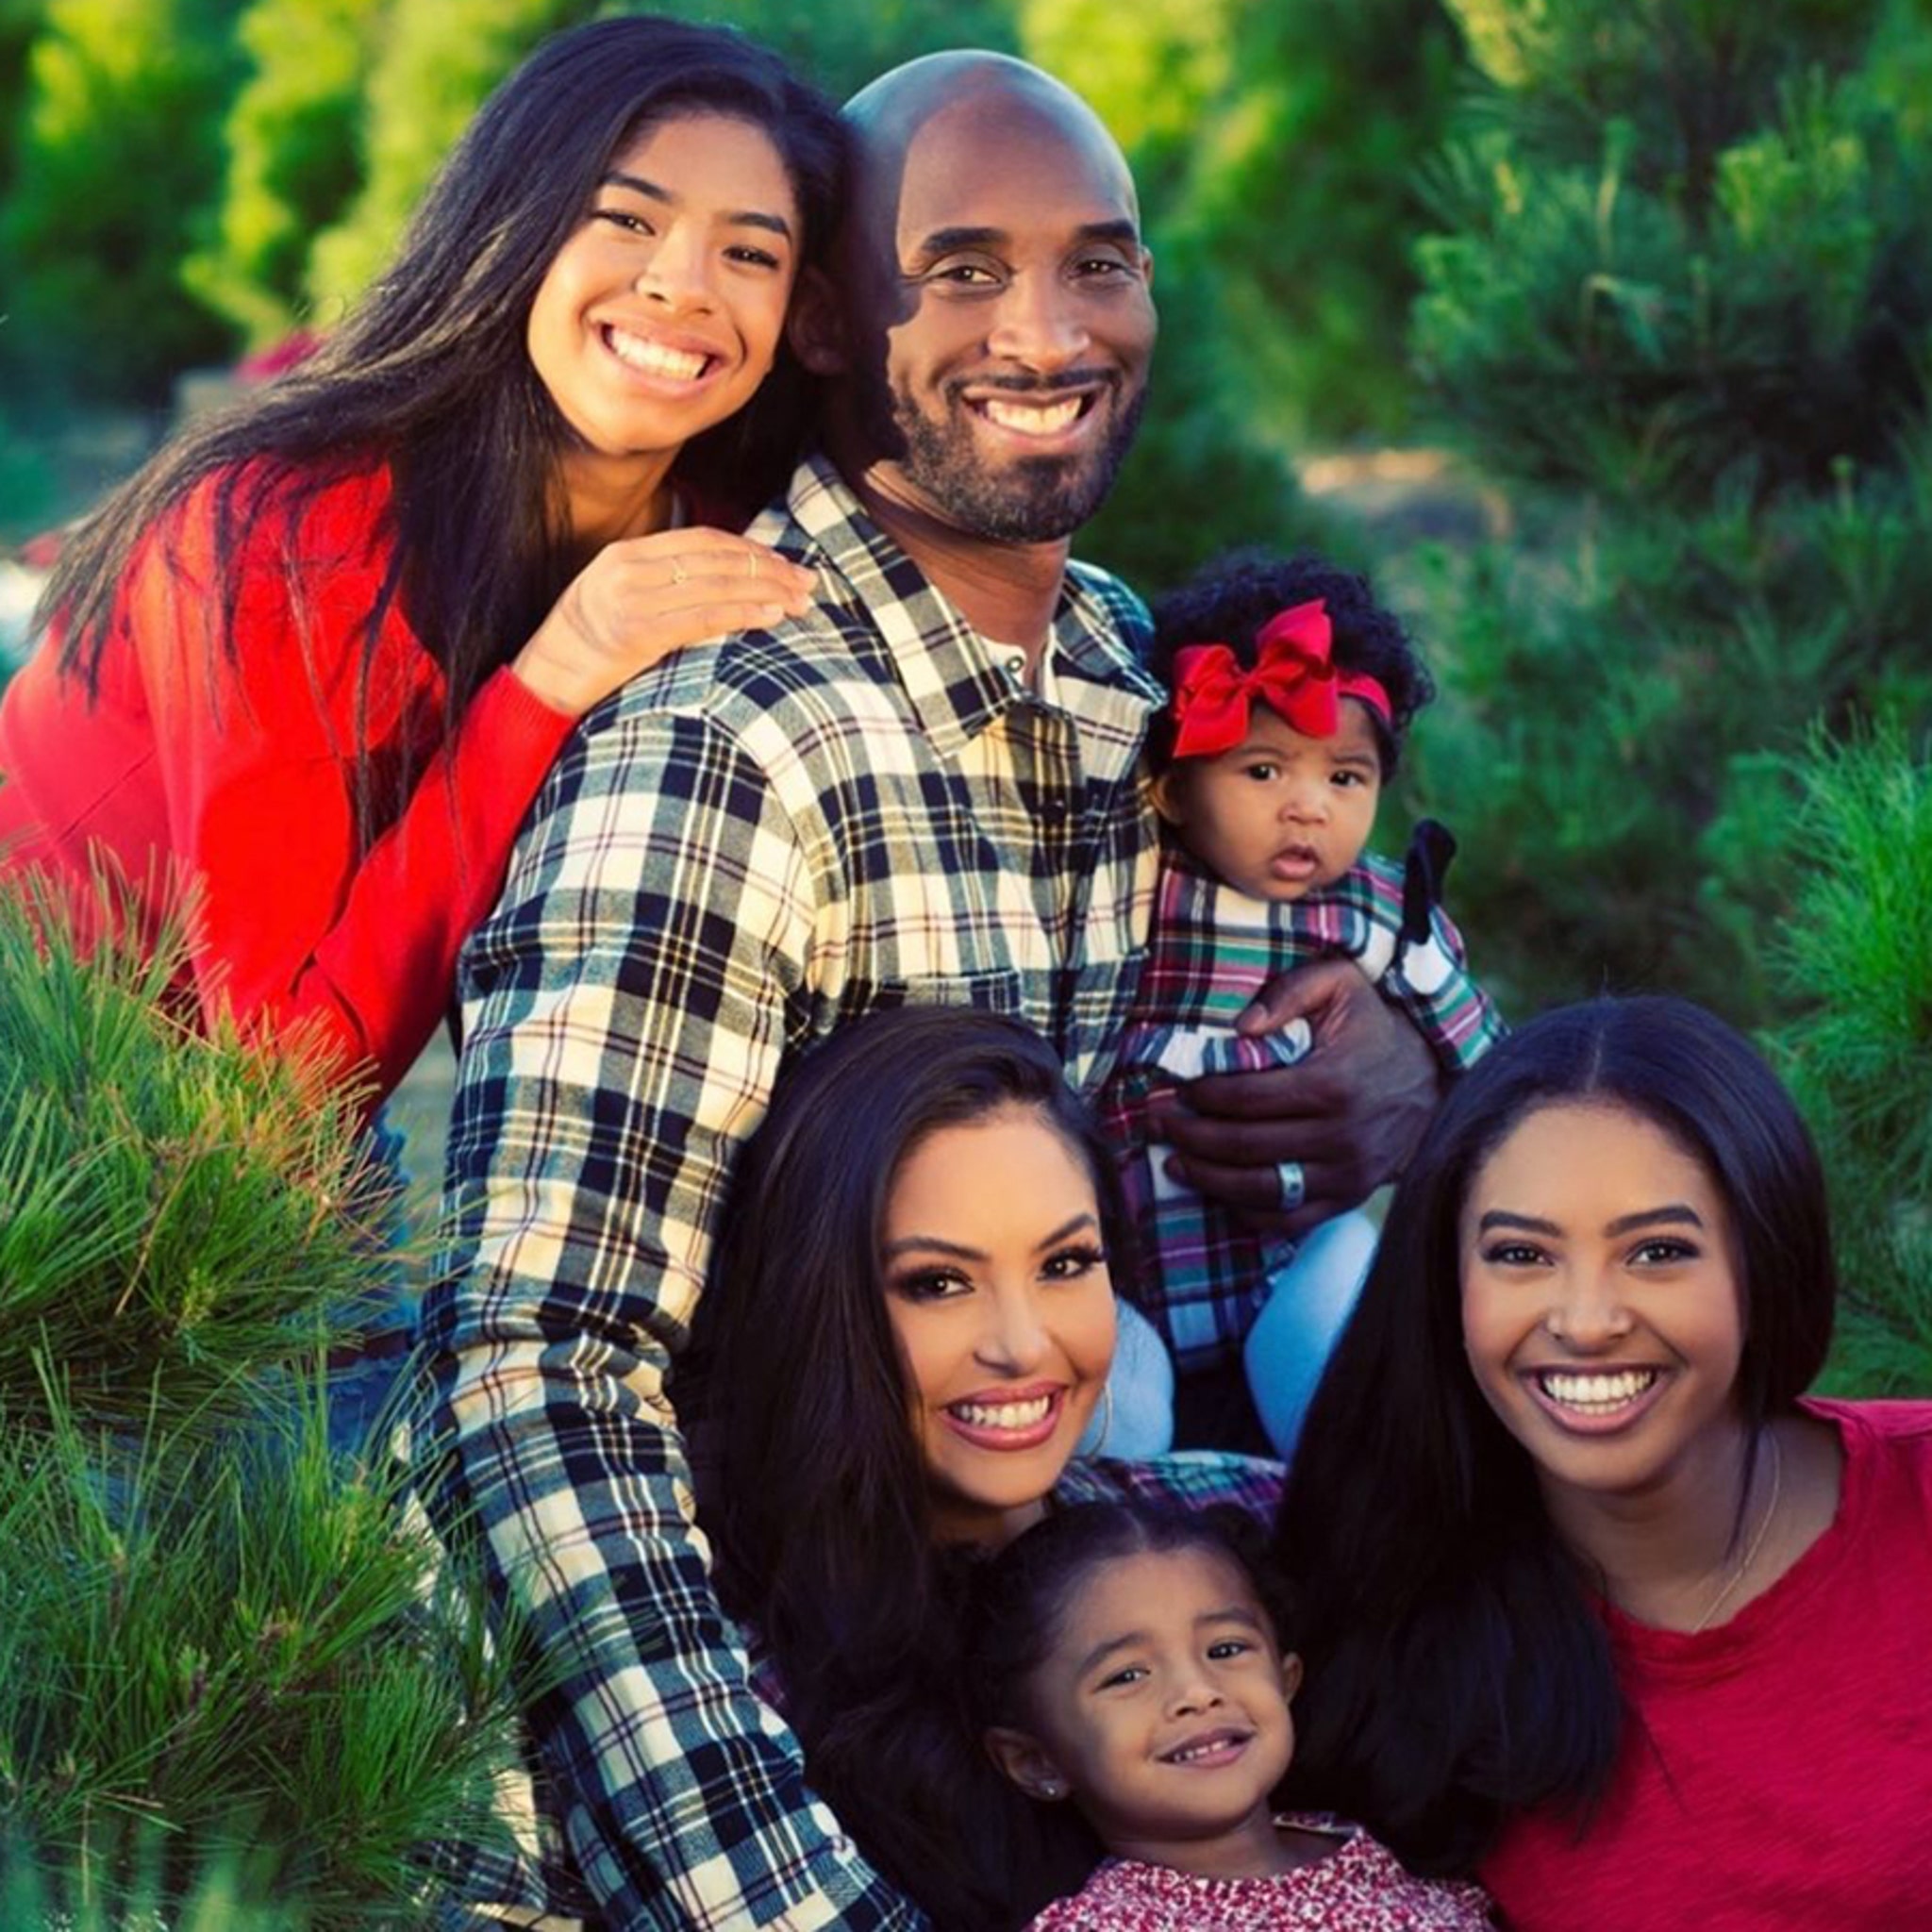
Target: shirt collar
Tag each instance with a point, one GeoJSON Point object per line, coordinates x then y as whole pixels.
{"type": "Point", "coordinates": [956, 681]}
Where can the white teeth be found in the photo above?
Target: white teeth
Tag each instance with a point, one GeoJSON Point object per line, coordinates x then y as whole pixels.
{"type": "Point", "coordinates": [1004, 1415]}
{"type": "Point", "coordinates": [654, 359]}
{"type": "Point", "coordinates": [1031, 418]}
{"type": "Point", "coordinates": [1596, 1394]}
{"type": "Point", "coordinates": [1191, 1752]}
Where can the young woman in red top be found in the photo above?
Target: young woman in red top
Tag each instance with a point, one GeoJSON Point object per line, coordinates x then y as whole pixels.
{"type": "Point", "coordinates": [1596, 1603]}
{"type": "Point", "coordinates": [314, 660]}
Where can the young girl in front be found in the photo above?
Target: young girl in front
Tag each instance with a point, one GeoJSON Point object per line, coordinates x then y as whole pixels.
{"type": "Point", "coordinates": [1291, 692]}
{"type": "Point", "coordinates": [1130, 1666]}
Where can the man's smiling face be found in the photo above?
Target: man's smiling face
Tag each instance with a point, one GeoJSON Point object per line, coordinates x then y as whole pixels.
{"type": "Point", "coordinates": [1017, 319]}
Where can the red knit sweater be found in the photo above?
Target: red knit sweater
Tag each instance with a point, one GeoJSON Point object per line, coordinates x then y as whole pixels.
{"type": "Point", "coordinates": [238, 769]}
{"type": "Point", "coordinates": [1777, 1771]}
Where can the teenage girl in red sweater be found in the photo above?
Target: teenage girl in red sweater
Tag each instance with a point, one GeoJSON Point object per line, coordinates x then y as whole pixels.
{"type": "Point", "coordinates": [314, 660]}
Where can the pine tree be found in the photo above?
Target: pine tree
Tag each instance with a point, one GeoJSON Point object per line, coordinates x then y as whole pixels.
{"type": "Point", "coordinates": [1681, 302]}
{"type": "Point", "coordinates": [238, 1684]}
{"type": "Point", "coordinates": [1857, 954]}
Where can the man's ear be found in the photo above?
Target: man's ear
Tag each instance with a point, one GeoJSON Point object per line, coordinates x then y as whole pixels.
{"type": "Point", "coordinates": [816, 326]}
{"type": "Point", "coordinates": [1291, 1676]}
{"type": "Point", "coordinates": [1025, 1760]}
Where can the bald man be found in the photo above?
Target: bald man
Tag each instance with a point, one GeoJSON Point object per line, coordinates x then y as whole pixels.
{"type": "Point", "coordinates": [925, 789]}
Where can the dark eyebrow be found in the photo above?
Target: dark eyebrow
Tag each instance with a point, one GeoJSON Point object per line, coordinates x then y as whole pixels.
{"type": "Point", "coordinates": [933, 1244]}
{"type": "Point", "coordinates": [1231, 1613]}
{"type": "Point", "coordinates": [1120, 230]}
{"type": "Point", "coordinates": [947, 240]}
{"type": "Point", "coordinates": [1676, 1214]}
{"type": "Point", "coordinates": [1501, 1217]}
{"type": "Point", "coordinates": [738, 218]}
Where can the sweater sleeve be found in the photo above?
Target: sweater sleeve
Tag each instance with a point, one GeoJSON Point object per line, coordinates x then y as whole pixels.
{"type": "Point", "coordinates": [299, 924]}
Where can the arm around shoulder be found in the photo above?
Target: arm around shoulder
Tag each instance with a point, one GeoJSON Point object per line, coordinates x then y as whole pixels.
{"type": "Point", "coordinates": [626, 1010]}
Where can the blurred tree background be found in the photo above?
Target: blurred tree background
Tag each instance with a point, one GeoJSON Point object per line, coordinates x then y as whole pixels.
{"type": "Point", "coordinates": [1641, 289]}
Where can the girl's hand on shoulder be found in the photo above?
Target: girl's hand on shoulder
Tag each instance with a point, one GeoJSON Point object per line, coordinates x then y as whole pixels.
{"type": "Point", "coordinates": [641, 598]}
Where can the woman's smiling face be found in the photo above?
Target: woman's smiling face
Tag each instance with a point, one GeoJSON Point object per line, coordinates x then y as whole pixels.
{"type": "Point", "coordinates": [1602, 1308]}
{"type": "Point", "coordinates": [999, 1297]}
{"type": "Point", "coordinates": [661, 313]}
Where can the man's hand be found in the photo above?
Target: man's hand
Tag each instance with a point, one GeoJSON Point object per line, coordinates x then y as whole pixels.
{"type": "Point", "coordinates": [1349, 1113]}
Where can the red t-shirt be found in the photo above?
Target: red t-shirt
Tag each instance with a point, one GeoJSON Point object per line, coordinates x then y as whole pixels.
{"type": "Point", "coordinates": [240, 771]}
{"type": "Point", "coordinates": [1776, 1771]}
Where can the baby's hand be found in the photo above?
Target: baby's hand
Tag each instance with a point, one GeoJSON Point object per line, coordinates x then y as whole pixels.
{"type": "Point", "coordinates": [641, 598]}
{"type": "Point", "coordinates": [1346, 1117]}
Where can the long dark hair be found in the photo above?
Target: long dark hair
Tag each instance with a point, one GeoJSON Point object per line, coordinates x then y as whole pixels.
{"type": "Point", "coordinates": [432, 372]}
{"type": "Point", "coordinates": [810, 1480]}
{"type": "Point", "coordinates": [1456, 1672]}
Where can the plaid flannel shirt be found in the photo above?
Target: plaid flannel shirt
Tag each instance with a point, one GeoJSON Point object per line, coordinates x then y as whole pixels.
{"type": "Point", "coordinates": [1204, 1273]}
{"type": "Point", "coordinates": [754, 843]}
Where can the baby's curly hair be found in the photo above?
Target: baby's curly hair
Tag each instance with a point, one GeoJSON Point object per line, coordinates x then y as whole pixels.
{"type": "Point", "coordinates": [1229, 600]}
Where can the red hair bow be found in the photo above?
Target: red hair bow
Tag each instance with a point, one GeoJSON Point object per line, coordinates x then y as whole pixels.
{"type": "Point", "coordinates": [1295, 675]}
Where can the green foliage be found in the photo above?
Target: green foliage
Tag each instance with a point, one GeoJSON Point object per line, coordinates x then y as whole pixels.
{"type": "Point", "coordinates": [240, 1643]}
{"type": "Point", "coordinates": [292, 157]}
{"type": "Point", "coordinates": [1275, 145]}
{"type": "Point", "coordinates": [20, 21]}
{"type": "Point", "coordinates": [1200, 480]}
{"type": "Point", "coordinates": [1617, 694]}
{"type": "Point", "coordinates": [180, 1211]}
{"type": "Point", "coordinates": [234, 1674]}
{"type": "Point", "coordinates": [1684, 300]}
{"type": "Point", "coordinates": [118, 158]}
{"type": "Point", "coordinates": [1581, 328]}
{"type": "Point", "coordinates": [440, 58]}
{"type": "Point", "coordinates": [436, 62]}
{"type": "Point", "coordinates": [1857, 953]}
{"type": "Point", "coordinates": [33, 1899]}
{"type": "Point", "coordinates": [840, 48]}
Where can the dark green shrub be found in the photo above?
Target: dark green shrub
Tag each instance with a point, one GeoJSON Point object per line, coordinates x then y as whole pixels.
{"type": "Point", "coordinates": [1684, 305]}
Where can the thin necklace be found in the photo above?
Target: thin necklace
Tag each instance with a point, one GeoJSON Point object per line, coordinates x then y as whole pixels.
{"type": "Point", "coordinates": [1740, 1573]}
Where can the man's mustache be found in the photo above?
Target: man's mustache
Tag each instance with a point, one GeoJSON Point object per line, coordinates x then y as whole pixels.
{"type": "Point", "coordinates": [1038, 385]}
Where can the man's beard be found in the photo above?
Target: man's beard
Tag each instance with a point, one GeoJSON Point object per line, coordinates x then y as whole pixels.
{"type": "Point", "coordinates": [1033, 500]}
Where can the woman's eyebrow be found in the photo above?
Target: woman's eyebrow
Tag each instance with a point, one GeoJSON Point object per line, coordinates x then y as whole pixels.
{"type": "Point", "coordinates": [738, 218]}
{"type": "Point", "coordinates": [1072, 1225]}
{"type": "Point", "coordinates": [1675, 1213]}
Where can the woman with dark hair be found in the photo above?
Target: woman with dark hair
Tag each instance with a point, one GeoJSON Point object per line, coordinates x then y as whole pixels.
{"type": "Point", "coordinates": [313, 661]}
{"type": "Point", "coordinates": [909, 1324]}
{"type": "Point", "coordinates": [1597, 1604]}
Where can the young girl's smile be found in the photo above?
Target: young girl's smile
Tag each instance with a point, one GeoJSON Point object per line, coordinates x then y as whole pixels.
{"type": "Point", "coordinates": [1162, 1710]}
{"type": "Point", "coordinates": [1281, 813]}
